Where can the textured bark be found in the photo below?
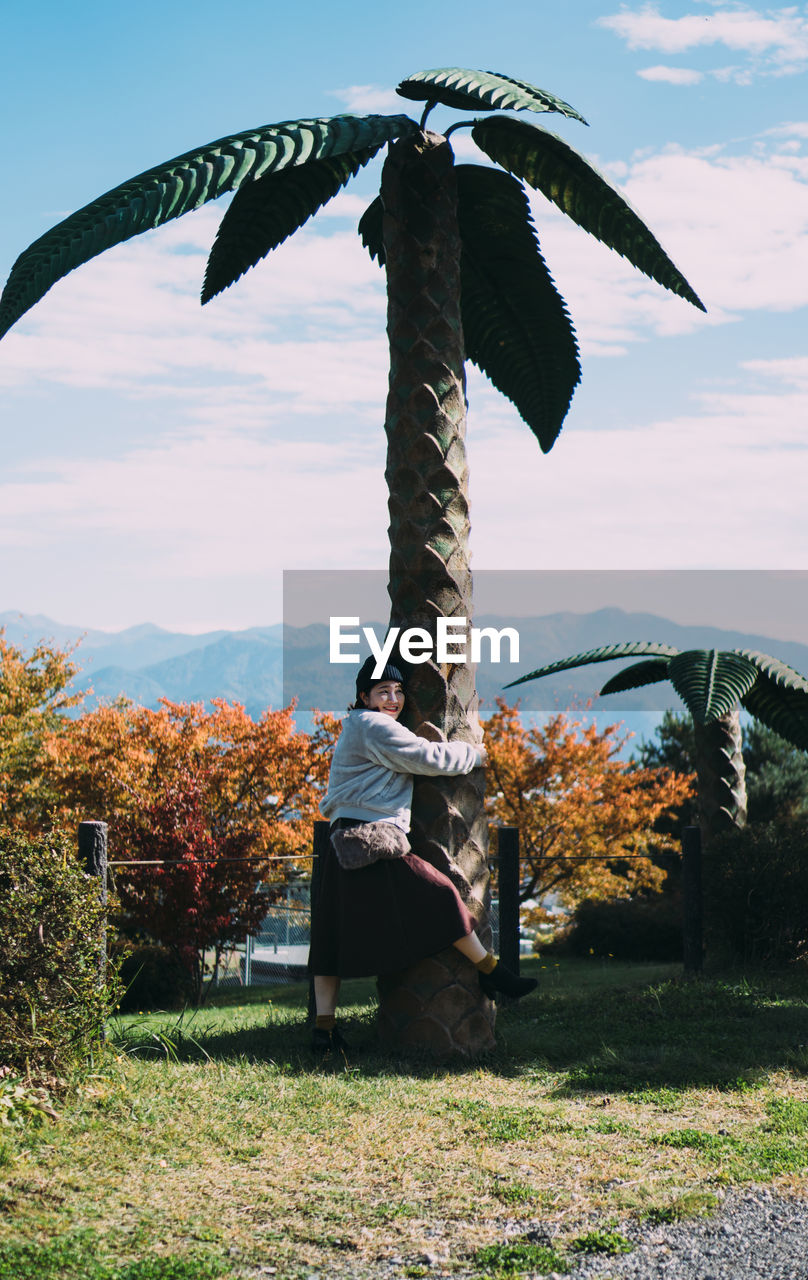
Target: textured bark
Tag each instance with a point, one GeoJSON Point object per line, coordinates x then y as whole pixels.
{"type": "Point", "coordinates": [721, 775]}
{"type": "Point", "coordinates": [436, 1006]}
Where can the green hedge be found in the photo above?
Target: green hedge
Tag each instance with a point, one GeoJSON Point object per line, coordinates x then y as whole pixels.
{"type": "Point", "coordinates": [52, 1006]}
{"type": "Point", "coordinates": [647, 927]}
{"type": "Point", "coordinates": [756, 892]}
{"type": "Point", "coordinates": [153, 979]}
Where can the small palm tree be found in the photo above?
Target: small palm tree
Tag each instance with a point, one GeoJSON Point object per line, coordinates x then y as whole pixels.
{"type": "Point", "coordinates": [465, 279]}
{"type": "Point", "coordinates": [714, 684]}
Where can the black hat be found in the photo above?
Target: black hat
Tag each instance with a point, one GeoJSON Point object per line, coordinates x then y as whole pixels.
{"type": "Point", "coordinates": [365, 679]}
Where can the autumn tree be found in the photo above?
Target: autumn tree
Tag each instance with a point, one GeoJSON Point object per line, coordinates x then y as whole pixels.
{"type": "Point", "coordinates": [673, 746]}
{"type": "Point", "coordinates": [197, 892]}
{"type": "Point", "coordinates": [585, 815]}
{"type": "Point", "coordinates": [260, 779]}
{"type": "Point", "coordinates": [34, 695]}
{"type": "Point", "coordinates": [211, 809]}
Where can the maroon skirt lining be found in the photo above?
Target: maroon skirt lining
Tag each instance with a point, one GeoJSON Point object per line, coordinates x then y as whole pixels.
{"type": "Point", "coordinates": [382, 918]}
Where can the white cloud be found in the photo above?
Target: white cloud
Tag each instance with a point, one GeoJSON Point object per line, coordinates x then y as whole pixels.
{"type": "Point", "coordinates": [192, 533]}
{"type": "Point", "coordinates": [775, 41]}
{"type": "Point", "coordinates": [371, 98]}
{"type": "Point", "coordinates": [733, 75]}
{"type": "Point", "coordinates": [701, 481]}
{"type": "Point", "coordinates": [672, 75]}
{"type": "Point", "coordinates": [737, 28]}
{"type": "Point", "coordinates": [165, 530]}
{"type": "Point", "coordinates": [466, 149]}
{"type": "Point", "coordinates": [345, 205]}
{"type": "Point", "coordinates": [792, 371]}
{"type": "Point", "coordinates": [739, 223]}
{"type": "Point", "coordinates": [204, 501]}
{"type": "Point", "coordinates": [735, 225]}
{"type": "Point", "coordinates": [791, 129]}
{"type": "Point", "coordinates": [303, 326]}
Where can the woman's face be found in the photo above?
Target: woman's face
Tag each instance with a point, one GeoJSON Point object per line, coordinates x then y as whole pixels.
{"type": "Point", "coordinates": [387, 696]}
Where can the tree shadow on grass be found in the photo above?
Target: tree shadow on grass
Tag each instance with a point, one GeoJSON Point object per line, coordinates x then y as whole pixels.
{"type": "Point", "coordinates": [717, 1032]}
{"type": "Point", "coordinates": [286, 1047]}
{"type": "Point", "coordinates": [710, 1033]}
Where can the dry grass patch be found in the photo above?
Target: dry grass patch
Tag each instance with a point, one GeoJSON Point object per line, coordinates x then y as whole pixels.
{"type": "Point", "coordinates": [219, 1139]}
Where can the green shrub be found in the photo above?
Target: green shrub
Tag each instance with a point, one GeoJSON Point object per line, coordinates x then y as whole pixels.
{"type": "Point", "coordinates": [154, 979]}
{"type": "Point", "coordinates": [21, 1102]}
{"type": "Point", "coordinates": [756, 892]}
{"type": "Point", "coordinates": [52, 1006]}
{"type": "Point", "coordinates": [641, 928]}
{"type": "Point", "coordinates": [601, 1240]}
{"type": "Point", "coordinates": [518, 1256]}
{"type": "Point", "coordinates": [80, 1256]}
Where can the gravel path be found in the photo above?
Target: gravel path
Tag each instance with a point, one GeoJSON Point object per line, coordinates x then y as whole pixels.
{"type": "Point", "coordinates": [755, 1234]}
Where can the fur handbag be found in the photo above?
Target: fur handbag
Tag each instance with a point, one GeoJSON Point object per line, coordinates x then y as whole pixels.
{"type": "Point", "coordinates": [369, 842]}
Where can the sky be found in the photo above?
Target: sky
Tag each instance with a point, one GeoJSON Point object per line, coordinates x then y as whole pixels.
{"type": "Point", "coordinates": [165, 463]}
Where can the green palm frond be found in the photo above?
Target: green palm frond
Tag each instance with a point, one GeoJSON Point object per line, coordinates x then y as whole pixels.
{"type": "Point", "coordinates": [632, 649]}
{"type": "Point", "coordinates": [783, 708]}
{"type": "Point", "coordinates": [468, 90]}
{"type": "Point", "coordinates": [263, 213]}
{"type": "Point", "coordinates": [640, 673]}
{"type": "Point", "coordinates": [179, 185]}
{"type": "Point", "coordinates": [566, 178]}
{"type": "Point", "coordinates": [370, 230]}
{"type": "Point", "coordinates": [781, 675]}
{"type": "Point", "coordinates": [516, 325]}
{"type": "Point", "coordinates": [711, 682]}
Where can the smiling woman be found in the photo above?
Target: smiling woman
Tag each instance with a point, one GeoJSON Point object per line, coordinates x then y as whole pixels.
{"type": "Point", "coordinates": [382, 907]}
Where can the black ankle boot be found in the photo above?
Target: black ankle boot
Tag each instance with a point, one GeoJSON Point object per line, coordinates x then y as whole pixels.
{"type": "Point", "coordinates": [505, 982]}
{"type": "Point", "coordinates": [323, 1041]}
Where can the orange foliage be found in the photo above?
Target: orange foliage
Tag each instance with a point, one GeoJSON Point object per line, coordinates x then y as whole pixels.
{"type": "Point", "coordinates": [33, 697]}
{"type": "Point", "coordinates": [260, 778]}
{"type": "Point", "coordinates": [571, 797]}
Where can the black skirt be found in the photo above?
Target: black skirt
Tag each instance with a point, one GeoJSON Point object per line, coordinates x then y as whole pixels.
{"type": "Point", "coordinates": [384, 917]}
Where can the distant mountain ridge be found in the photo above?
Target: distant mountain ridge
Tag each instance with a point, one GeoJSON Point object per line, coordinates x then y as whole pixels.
{"type": "Point", "coordinates": [146, 662]}
{"type": "Point", "coordinates": [133, 648]}
{"type": "Point", "coordinates": [268, 666]}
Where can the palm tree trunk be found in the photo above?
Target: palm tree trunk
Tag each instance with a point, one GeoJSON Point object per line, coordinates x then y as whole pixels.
{"type": "Point", "coordinates": [437, 1005]}
{"type": "Point", "coordinates": [721, 775]}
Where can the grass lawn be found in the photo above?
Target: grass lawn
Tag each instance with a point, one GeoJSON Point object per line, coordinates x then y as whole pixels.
{"type": "Point", "coordinates": [211, 1145]}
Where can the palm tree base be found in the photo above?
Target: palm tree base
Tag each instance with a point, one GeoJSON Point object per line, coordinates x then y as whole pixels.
{"type": "Point", "coordinates": [436, 1009]}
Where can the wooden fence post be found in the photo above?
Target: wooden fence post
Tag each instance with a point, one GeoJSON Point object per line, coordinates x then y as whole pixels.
{"type": "Point", "coordinates": [692, 919]}
{"type": "Point", "coordinates": [508, 881]}
{"type": "Point", "coordinates": [92, 855]}
{"type": "Point", "coordinates": [319, 848]}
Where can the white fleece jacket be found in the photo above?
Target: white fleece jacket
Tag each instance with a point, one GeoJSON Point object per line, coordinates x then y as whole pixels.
{"type": "Point", "coordinates": [374, 760]}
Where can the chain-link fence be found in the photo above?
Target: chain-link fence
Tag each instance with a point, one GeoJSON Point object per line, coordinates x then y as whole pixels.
{"type": "Point", "coordinates": [279, 951]}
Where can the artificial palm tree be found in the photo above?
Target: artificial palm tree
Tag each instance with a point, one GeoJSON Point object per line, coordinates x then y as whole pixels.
{"type": "Point", "coordinates": [465, 279]}
{"type": "Point", "coordinates": [713, 684]}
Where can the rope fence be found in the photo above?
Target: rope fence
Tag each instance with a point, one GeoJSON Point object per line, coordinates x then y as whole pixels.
{"type": "Point", "coordinates": [202, 862]}
{"type": "Point", "coordinates": [279, 950]}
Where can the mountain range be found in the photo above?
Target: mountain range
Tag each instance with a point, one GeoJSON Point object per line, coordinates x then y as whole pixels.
{"type": "Point", "coordinates": [268, 666]}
